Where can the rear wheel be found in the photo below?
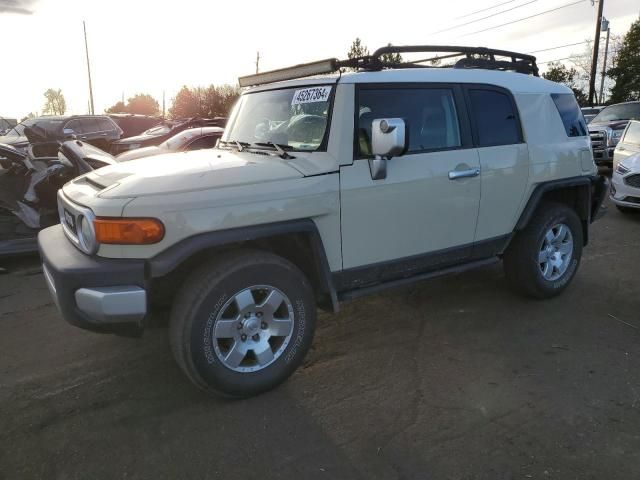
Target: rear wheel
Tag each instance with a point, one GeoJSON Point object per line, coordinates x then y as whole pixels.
{"type": "Point", "coordinates": [242, 324]}
{"type": "Point", "coordinates": [543, 258]}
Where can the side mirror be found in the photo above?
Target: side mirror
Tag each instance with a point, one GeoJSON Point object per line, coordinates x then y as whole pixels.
{"type": "Point", "coordinates": [389, 138]}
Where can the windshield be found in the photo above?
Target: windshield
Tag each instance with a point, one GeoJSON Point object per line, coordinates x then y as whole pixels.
{"type": "Point", "coordinates": [623, 111]}
{"type": "Point", "coordinates": [18, 130]}
{"type": "Point", "coordinates": [290, 117]}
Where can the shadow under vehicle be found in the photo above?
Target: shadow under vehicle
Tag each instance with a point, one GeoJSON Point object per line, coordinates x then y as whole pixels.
{"type": "Point", "coordinates": [29, 183]}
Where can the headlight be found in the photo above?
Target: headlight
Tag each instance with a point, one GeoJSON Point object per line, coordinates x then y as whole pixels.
{"type": "Point", "coordinates": [616, 135]}
{"type": "Point", "coordinates": [621, 169]}
{"type": "Point", "coordinates": [87, 235]}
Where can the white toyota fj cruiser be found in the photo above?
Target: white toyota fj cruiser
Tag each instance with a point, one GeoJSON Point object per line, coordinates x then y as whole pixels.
{"type": "Point", "coordinates": [326, 188]}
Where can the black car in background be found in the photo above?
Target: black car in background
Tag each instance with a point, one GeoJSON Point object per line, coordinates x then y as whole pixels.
{"type": "Point", "coordinates": [133, 124]}
{"type": "Point", "coordinates": [98, 130]}
{"type": "Point", "coordinates": [162, 132]}
{"type": "Point", "coordinates": [29, 185]}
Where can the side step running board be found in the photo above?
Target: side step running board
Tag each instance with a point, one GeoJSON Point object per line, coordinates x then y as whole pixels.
{"type": "Point", "coordinates": [361, 292]}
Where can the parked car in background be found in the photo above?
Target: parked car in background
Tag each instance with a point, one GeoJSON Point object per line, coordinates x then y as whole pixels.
{"type": "Point", "coordinates": [625, 180]}
{"type": "Point", "coordinates": [98, 130]}
{"type": "Point", "coordinates": [190, 139]}
{"type": "Point", "coordinates": [132, 124]}
{"type": "Point", "coordinates": [607, 127]}
{"type": "Point", "coordinates": [162, 132]}
{"type": "Point", "coordinates": [29, 185]}
{"type": "Point", "coordinates": [15, 136]}
{"type": "Point", "coordinates": [590, 112]}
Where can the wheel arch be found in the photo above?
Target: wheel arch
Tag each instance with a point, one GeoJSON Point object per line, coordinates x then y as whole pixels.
{"type": "Point", "coordinates": [296, 240]}
{"type": "Point", "coordinates": [575, 192]}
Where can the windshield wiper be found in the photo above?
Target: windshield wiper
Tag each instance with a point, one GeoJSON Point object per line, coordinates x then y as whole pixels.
{"type": "Point", "coordinates": [238, 144]}
{"type": "Point", "coordinates": [280, 148]}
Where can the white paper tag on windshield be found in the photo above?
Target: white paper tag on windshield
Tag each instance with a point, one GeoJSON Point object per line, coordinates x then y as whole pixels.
{"type": "Point", "coordinates": [311, 95]}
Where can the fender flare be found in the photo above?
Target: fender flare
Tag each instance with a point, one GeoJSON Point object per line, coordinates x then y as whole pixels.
{"type": "Point", "coordinates": [169, 259]}
{"type": "Point", "coordinates": [593, 190]}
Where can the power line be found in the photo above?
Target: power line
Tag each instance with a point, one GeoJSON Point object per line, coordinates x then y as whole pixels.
{"type": "Point", "coordinates": [559, 46]}
{"type": "Point", "coordinates": [524, 18]}
{"type": "Point", "coordinates": [556, 60]}
{"type": "Point", "coordinates": [484, 18]}
{"type": "Point", "coordinates": [485, 9]}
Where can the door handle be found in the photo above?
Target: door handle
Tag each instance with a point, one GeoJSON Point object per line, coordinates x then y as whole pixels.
{"type": "Point", "coordinates": [621, 149]}
{"type": "Point", "coordinates": [456, 174]}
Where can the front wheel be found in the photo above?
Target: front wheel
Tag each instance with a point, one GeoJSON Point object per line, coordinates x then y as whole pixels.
{"type": "Point", "coordinates": [242, 324]}
{"type": "Point", "coordinates": [543, 258]}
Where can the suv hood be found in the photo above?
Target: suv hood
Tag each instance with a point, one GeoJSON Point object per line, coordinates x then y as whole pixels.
{"type": "Point", "coordinates": [613, 124]}
{"type": "Point", "coordinates": [188, 171]}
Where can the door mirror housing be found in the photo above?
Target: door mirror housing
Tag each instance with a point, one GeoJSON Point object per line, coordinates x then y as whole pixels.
{"type": "Point", "coordinates": [389, 138]}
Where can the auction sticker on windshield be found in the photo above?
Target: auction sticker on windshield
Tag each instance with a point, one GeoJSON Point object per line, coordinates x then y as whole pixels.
{"type": "Point", "coordinates": [311, 95]}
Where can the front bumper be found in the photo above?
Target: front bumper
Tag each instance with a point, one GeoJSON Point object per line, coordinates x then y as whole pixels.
{"type": "Point", "coordinates": [99, 294]}
{"type": "Point", "coordinates": [622, 194]}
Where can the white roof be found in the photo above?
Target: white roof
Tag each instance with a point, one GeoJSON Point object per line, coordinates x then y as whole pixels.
{"type": "Point", "coordinates": [515, 82]}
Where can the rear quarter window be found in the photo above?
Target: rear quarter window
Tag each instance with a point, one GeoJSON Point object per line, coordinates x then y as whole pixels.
{"type": "Point", "coordinates": [495, 118]}
{"type": "Point", "coordinates": [570, 113]}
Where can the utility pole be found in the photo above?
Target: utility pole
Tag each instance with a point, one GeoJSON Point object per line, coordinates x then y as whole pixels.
{"type": "Point", "coordinates": [86, 47]}
{"type": "Point", "coordinates": [257, 61]}
{"type": "Point", "coordinates": [604, 26]}
{"type": "Point", "coordinates": [163, 104]}
{"type": "Point", "coordinates": [596, 49]}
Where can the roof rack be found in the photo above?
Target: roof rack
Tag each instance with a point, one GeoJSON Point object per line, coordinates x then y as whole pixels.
{"type": "Point", "coordinates": [462, 57]}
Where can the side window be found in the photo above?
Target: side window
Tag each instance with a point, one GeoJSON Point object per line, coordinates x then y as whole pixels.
{"type": "Point", "coordinates": [494, 117]}
{"type": "Point", "coordinates": [105, 125]}
{"type": "Point", "coordinates": [90, 125]}
{"type": "Point", "coordinates": [429, 113]}
{"type": "Point", "coordinates": [633, 134]}
{"type": "Point", "coordinates": [570, 113]}
{"type": "Point", "coordinates": [75, 125]}
{"type": "Point", "coordinates": [208, 141]}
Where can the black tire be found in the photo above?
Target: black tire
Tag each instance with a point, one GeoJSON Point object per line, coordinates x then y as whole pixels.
{"type": "Point", "coordinates": [206, 292]}
{"type": "Point", "coordinates": [521, 263]}
{"type": "Point", "coordinates": [627, 210]}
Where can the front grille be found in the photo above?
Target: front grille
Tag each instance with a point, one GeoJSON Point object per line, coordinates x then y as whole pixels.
{"type": "Point", "coordinates": [598, 139]}
{"type": "Point", "coordinates": [631, 200]}
{"type": "Point", "coordinates": [633, 180]}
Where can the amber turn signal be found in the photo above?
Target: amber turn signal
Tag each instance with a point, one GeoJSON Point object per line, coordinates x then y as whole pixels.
{"type": "Point", "coordinates": [128, 231]}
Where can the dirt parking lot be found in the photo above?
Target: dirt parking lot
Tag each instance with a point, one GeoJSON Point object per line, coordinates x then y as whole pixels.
{"type": "Point", "coordinates": [456, 378]}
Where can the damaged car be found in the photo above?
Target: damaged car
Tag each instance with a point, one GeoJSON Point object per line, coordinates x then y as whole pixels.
{"type": "Point", "coordinates": [29, 183]}
{"type": "Point", "coordinates": [162, 132]}
{"type": "Point", "coordinates": [187, 140]}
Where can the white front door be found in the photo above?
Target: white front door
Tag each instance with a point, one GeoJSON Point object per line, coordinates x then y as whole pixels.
{"type": "Point", "coordinates": [430, 197]}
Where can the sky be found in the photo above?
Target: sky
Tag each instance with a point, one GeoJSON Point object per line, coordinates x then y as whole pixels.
{"type": "Point", "coordinates": [155, 46]}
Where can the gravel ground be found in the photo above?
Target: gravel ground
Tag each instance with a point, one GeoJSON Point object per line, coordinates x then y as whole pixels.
{"type": "Point", "coordinates": [456, 378]}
